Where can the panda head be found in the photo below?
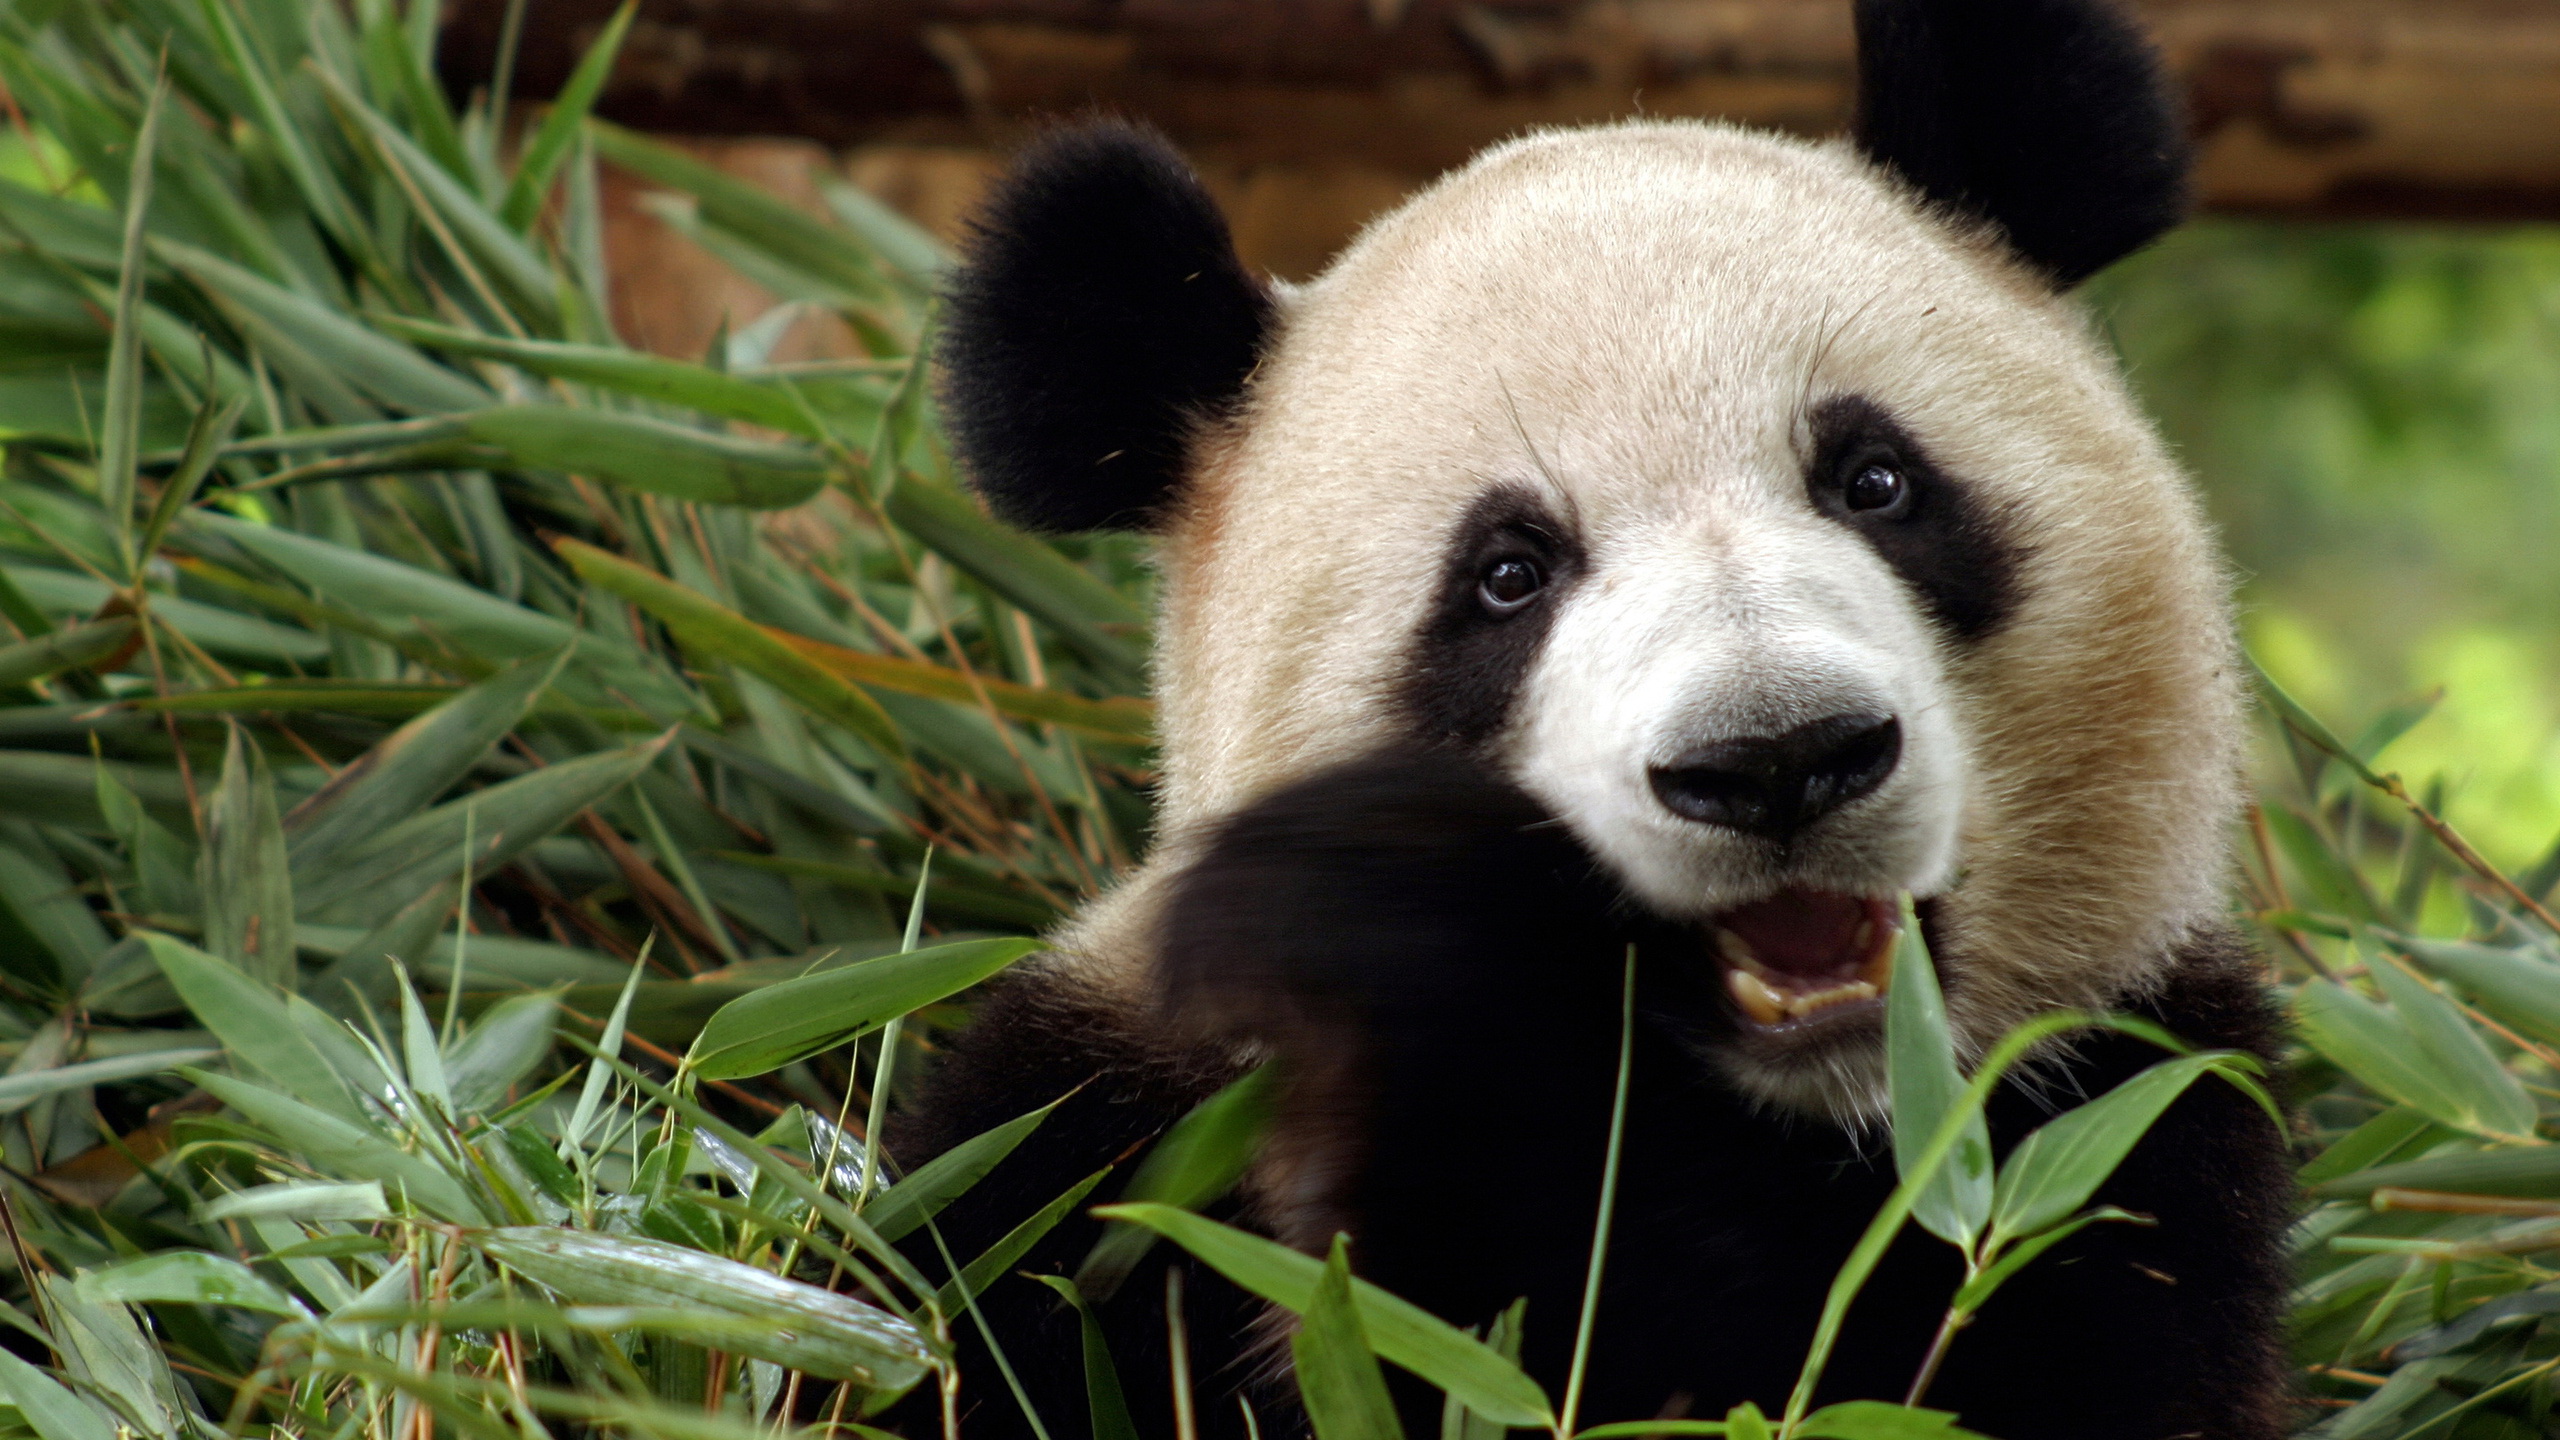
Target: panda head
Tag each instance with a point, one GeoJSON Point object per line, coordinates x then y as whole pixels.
{"type": "Point", "coordinates": [1764, 508]}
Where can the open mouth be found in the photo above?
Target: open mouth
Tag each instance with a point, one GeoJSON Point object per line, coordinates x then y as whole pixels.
{"type": "Point", "coordinates": [1805, 954]}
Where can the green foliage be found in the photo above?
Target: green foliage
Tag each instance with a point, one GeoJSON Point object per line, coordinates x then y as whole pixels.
{"type": "Point", "coordinates": [476, 795]}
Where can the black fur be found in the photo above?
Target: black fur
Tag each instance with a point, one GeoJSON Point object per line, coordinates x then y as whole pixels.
{"type": "Point", "coordinates": [1947, 546]}
{"type": "Point", "coordinates": [2050, 118]}
{"type": "Point", "coordinates": [1098, 313]}
{"type": "Point", "coordinates": [1467, 663]}
{"type": "Point", "coordinates": [1438, 972]}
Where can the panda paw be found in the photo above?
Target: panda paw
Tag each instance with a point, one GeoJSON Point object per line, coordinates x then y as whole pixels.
{"type": "Point", "coordinates": [1411, 888]}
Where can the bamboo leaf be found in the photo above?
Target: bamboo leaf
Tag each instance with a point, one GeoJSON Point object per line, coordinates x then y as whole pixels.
{"type": "Point", "coordinates": [414, 856]}
{"type": "Point", "coordinates": [120, 433]}
{"type": "Point", "coordinates": [657, 456]}
{"type": "Point", "coordinates": [2054, 1171]}
{"type": "Point", "coordinates": [23, 1089]}
{"type": "Point", "coordinates": [897, 1211]}
{"type": "Point", "coordinates": [346, 1148]}
{"type": "Point", "coordinates": [563, 125]}
{"type": "Point", "coordinates": [53, 1412]}
{"type": "Point", "coordinates": [253, 1023]}
{"type": "Point", "coordinates": [1196, 1161]}
{"type": "Point", "coordinates": [186, 1277]}
{"type": "Point", "coordinates": [1123, 719]}
{"type": "Point", "coordinates": [711, 629]}
{"type": "Point", "coordinates": [772, 1027]}
{"type": "Point", "coordinates": [1338, 1378]}
{"type": "Point", "coordinates": [1396, 1329]}
{"type": "Point", "coordinates": [81, 645]}
{"type": "Point", "coordinates": [626, 372]}
{"type": "Point", "coordinates": [1002, 1256]}
{"type": "Point", "coordinates": [1921, 1067]}
{"type": "Point", "coordinates": [819, 1331]}
{"type": "Point", "coordinates": [247, 885]}
{"type": "Point", "coordinates": [419, 761]}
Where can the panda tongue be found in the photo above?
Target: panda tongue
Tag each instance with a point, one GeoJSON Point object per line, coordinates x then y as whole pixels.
{"type": "Point", "coordinates": [1810, 938]}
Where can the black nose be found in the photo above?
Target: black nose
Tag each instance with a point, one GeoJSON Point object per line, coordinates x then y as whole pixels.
{"type": "Point", "coordinates": [1777, 785]}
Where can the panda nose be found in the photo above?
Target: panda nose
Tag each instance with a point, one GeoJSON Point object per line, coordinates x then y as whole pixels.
{"type": "Point", "coordinates": [1778, 785]}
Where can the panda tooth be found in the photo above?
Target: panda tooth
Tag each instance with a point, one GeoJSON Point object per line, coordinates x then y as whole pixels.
{"type": "Point", "coordinates": [1758, 998]}
{"type": "Point", "coordinates": [1855, 990]}
{"type": "Point", "coordinates": [1736, 951]}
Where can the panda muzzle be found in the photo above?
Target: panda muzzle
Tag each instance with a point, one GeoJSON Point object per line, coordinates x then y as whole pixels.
{"type": "Point", "coordinates": [1803, 953]}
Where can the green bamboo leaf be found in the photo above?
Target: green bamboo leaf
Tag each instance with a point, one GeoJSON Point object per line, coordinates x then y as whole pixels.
{"type": "Point", "coordinates": [42, 905]}
{"type": "Point", "coordinates": [897, 1211]}
{"type": "Point", "coordinates": [301, 1200]}
{"type": "Point", "coordinates": [1198, 1160]}
{"type": "Point", "coordinates": [419, 761]}
{"type": "Point", "coordinates": [1920, 1060]}
{"type": "Point", "coordinates": [2378, 1047]}
{"type": "Point", "coordinates": [1106, 1407]}
{"type": "Point", "coordinates": [108, 1353]}
{"type": "Point", "coordinates": [1971, 1295]}
{"type": "Point", "coordinates": [342, 1147]}
{"type": "Point", "coordinates": [1087, 614]}
{"type": "Point", "coordinates": [562, 127]}
{"type": "Point", "coordinates": [1345, 1392]}
{"type": "Point", "coordinates": [205, 437]}
{"type": "Point", "coordinates": [1397, 1330]}
{"type": "Point", "coordinates": [396, 68]}
{"type": "Point", "coordinates": [247, 65]}
{"type": "Point", "coordinates": [1000, 1258]}
{"type": "Point", "coordinates": [772, 1027]}
{"type": "Point", "coordinates": [755, 216]}
{"type": "Point", "coordinates": [224, 632]}
{"type": "Point", "coordinates": [408, 602]}
{"type": "Point", "coordinates": [186, 1277]}
{"type": "Point", "coordinates": [504, 820]}
{"type": "Point", "coordinates": [907, 247]}
{"type": "Point", "coordinates": [1875, 1420]}
{"type": "Point", "coordinates": [494, 250]}
{"type": "Point", "coordinates": [81, 645]}
{"type": "Point", "coordinates": [712, 630]}
{"type": "Point", "coordinates": [254, 1024]}
{"type": "Point", "coordinates": [21, 1090]}
{"type": "Point", "coordinates": [2447, 1039]}
{"type": "Point", "coordinates": [821, 1332]}
{"type": "Point", "coordinates": [506, 1043]}
{"type": "Point", "coordinates": [657, 456]}
{"type": "Point", "coordinates": [2054, 1171]}
{"type": "Point", "coordinates": [2515, 985]}
{"type": "Point", "coordinates": [635, 373]}
{"type": "Point", "coordinates": [247, 886]}
{"type": "Point", "coordinates": [52, 1411]}
{"type": "Point", "coordinates": [392, 373]}
{"type": "Point", "coordinates": [120, 431]}
{"type": "Point", "coordinates": [1125, 720]}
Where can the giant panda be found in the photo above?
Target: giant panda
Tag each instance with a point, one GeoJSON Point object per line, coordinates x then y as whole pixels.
{"type": "Point", "coordinates": [1661, 535]}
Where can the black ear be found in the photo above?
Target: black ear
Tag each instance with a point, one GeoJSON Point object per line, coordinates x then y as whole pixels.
{"type": "Point", "coordinates": [1098, 311]}
{"type": "Point", "coordinates": [2051, 118]}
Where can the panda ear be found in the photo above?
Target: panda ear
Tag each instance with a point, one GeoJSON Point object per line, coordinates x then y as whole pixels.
{"type": "Point", "coordinates": [2050, 118]}
{"type": "Point", "coordinates": [1097, 313]}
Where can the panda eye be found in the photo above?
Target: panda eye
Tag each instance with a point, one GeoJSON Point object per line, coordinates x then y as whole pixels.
{"type": "Point", "coordinates": [1874, 487]}
{"type": "Point", "coordinates": [1509, 583]}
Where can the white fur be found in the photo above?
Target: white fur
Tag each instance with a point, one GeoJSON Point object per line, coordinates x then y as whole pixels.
{"type": "Point", "coordinates": [1634, 321]}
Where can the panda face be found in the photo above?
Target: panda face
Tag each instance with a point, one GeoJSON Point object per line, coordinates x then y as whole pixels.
{"type": "Point", "coordinates": [1792, 545]}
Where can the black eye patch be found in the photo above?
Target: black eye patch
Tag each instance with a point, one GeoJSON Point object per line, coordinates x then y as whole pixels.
{"type": "Point", "coordinates": [1868, 473]}
{"type": "Point", "coordinates": [1507, 565]}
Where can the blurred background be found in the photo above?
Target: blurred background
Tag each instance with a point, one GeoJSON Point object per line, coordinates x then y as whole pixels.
{"type": "Point", "coordinates": [2357, 347]}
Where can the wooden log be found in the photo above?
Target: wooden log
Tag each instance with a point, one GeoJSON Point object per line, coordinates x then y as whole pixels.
{"type": "Point", "coordinates": [2361, 108]}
